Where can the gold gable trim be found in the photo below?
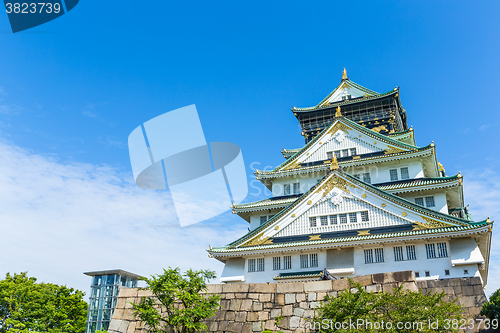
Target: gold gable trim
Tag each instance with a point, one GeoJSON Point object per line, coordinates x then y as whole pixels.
{"type": "Point", "coordinates": [431, 223]}
{"type": "Point", "coordinates": [332, 183]}
{"type": "Point", "coordinates": [339, 126]}
{"type": "Point", "coordinates": [393, 150]}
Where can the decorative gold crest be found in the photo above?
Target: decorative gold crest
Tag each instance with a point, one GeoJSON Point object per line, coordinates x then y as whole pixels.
{"type": "Point", "coordinates": [332, 183]}
{"type": "Point", "coordinates": [393, 150]}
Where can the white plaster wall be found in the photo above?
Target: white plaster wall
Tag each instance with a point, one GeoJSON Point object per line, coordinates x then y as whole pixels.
{"type": "Point", "coordinates": [380, 173]}
{"type": "Point", "coordinates": [306, 182]}
{"type": "Point", "coordinates": [439, 200]}
{"type": "Point", "coordinates": [320, 154]}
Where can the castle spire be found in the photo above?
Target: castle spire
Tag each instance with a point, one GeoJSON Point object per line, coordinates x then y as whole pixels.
{"type": "Point", "coordinates": [344, 75]}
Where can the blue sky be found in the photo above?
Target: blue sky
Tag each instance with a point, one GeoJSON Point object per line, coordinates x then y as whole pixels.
{"type": "Point", "coordinates": [72, 90]}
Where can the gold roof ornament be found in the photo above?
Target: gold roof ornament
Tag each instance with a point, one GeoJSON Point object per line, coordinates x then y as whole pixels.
{"type": "Point", "coordinates": [338, 113]}
{"type": "Point", "coordinates": [488, 219]}
{"type": "Point", "coordinates": [459, 175]}
{"type": "Point", "coordinates": [334, 165]}
{"type": "Point", "coordinates": [441, 167]}
{"type": "Point", "coordinates": [344, 75]}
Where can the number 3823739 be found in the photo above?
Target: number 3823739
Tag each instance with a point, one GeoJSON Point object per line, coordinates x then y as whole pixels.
{"type": "Point", "coordinates": [33, 8]}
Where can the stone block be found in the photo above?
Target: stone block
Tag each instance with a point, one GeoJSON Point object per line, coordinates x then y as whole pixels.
{"type": "Point", "coordinates": [475, 281]}
{"type": "Point", "coordinates": [268, 305]}
{"type": "Point", "coordinates": [475, 311]}
{"type": "Point", "coordinates": [270, 325]}
{"type": "Point", "coordinates": [235, 288]}
{"type": "Point", "coordinates": [247, 328]}
{"type": "Point", "coordinates": [364, 280]}
{"type": "Point", "coordinates": [382, 278]}
{"type": "Point", "coordinates": [235, 327]}
{"type": "Point", "coordinates": [374, 288]}
{"type": "Point", "coordinates": [314, 305]}
{"type": "Point", "coordinates": [256, 326]}
{"type": "Point", "coordinates": [229, 295]}
{"type": "Point", "coordinates": [213, 326]}
{"type": "Point", "coordinates": [468, 302]}
{"type": "Point", "coordinates": [257, 306]}
{"type": "Point", "coordinates": [280, 299]}
{"type": "Point", "coordinates": [300, 297]}
{"type": "Point", "coordinates": [114, 325]}
{"type": "Point", "coordinates": [389, 287]}
{"type": "Point", "coordinates": [294, 287]}
{"type": "Point", "coordinates": [340, 284]}
{"type": "Point", "coordinates": [223, 325]}
{"type": "Point", "coordinates": [240, 295]}
{"type": "Point", "coordinates": [410, 286]}
{"type": "Point", "coordinates": [131, 327]}
{"type": "Point", "coordinates": [123, 326]}
{"type": "Point", "coordinates": [118, 313]}
{"type": "Point", "coordinates": [422, 284]}
{"type": "Point", "coordinates": [289, 298]}
{"type": "Point", "coordinates": [275, 313]}
{"type": "Point", "coordinates": [321, 296]}
{"type": "Point", "coordinates": [263, 315]}
{"type": "Point", "coordinates": [403, 276]}
{"type": "Point", "coordinates": [241, 316]}
{"type": "Point", "coordinates": [144, 293]}
{"type": "Point", "coordinates": [265, 297]}
{"type": "Point", "coordinates": [219, 316]}
{"type": "Point", "coordinates": [294, 322]}
{"type": "Point", "coordinates": [129, 301]}
{"type": "Point", "coordinates": [127, 292]}
{"type": "Point", "coordinates": [120, 303]}
{"type": "Point", "coordinates": [308, 313]}
{"type": "Point", "coordinates": [318, 286]}
{"type": "Point", "coordinates": [304, 305]}
{"type": "Point", "coordinates": [128, 314]}
{"type": "Point", "coordinates": [252, 316]}
{"type": "Point", "coordinates": [311, 297]}
{"type": "Point", "coordinates": [478, 289]}
{"type": "Point", "coordinates": [230, 315]}
{"type": "Point", "coordinates": [298, 312]}
{"type": "Point", "coordinates": [235, 304]}
{"type": "Point", "coordinates": [253, 295]}
{"type": "Point", "coordinates": [246, 305]}
{"type": "Point", "coordinates": [332, 293]}
{"type": "Point", "coordinates": [214, 289]}
{"type": "Point", "coordinates": [262, 288]}
{"type": "Point", "coordinates": [467, 290]}
{"type": "Point", "coordinates": [287, 310]}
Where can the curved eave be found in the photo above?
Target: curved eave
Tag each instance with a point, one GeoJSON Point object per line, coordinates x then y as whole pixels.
{"type": "Point", "coordinates": [259, 206]}
{"type": "Point", "coordinates": [454, 231]}
{"type": "Point", "coordinates": [424, 184]}
{"type": "Point", "coordinates": [344, 102]}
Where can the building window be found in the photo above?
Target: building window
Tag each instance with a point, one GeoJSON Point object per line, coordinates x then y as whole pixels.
{"type": "Point", "coordinates": [304, 262]}
{"type": "Point", "coordinates": [417, 274]}
{"type": "Point", "coordinates": [394, 174]}
{"type": "Point", "coordinates": [329, 155]}
{"type": "Point", "coordinates": [287, 262]}
{"type": "Point", "coordinates": [263, 219]}
{"type": "Point", "coordinates": [324, 220]}
{"type": "Point", "coordinates": [312, 222]}
{"type": "Point", "coordinates": [251, 265]}
{"type": "Point", "coordinates": [353, 218]}
{"type": "Point", "coordinates": [379, 255]}
{"type": "Point", "coordinates": [313, 260]}
{"type": "Point", "coordinates": [446, 272]}
{"type": "Point", "coordinates": [410, 252]}
{"type": "Point", "coordinates": [398, 253]}
{"type": "Point", "coordinates": [466, 271]}
{"type": "Point", "coordinates": [286, 189]}
{"type": "Point", "coordinates": [260, 264]}
{"type": "Point", "coordinates": [419, 201]}
{"type": "Point", "coordinates": [429, 202]}
{"type": "Point", "coordinates": [368, 256]}
{"type": "Point", "coordinates": [337, 154]}
{"type": "Point", "coordinates": [427, 273]}
{"type": "Point", "coordinates": [404, 173]}
{"type": "Point", "coordinates": [431, 251]}
{"type": "Point", "coordinates": [333, 219]}
{"type": "Point", "coordinates": [367, 178]}
{"type": "Point", "coordinates": [442, 250]}
{"type": "Point", "coordinates": [296, 188]}
{"type": "Point", "coordinates": [364, 217]}
{"type": "Point", "coordinates": [276, 263]}
{"type": "Point", "coordinates": [343, 218]}
{"type": "Point", "coordinates": [352, 151]}
{"type": "Point", "coordinates": [357, 175]}
{"type": "Point", "coordinates": [345, 152]}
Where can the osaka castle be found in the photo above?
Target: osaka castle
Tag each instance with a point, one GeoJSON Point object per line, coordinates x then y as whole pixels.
{"type": "Point", "coordinates": [360, 197]}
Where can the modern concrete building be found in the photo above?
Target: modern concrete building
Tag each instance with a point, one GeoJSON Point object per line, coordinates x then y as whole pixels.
{"type": "Point", "coordinates": [103, 293]}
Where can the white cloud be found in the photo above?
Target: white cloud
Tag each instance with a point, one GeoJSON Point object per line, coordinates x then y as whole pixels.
{"type": "Point", "coordinates": [10, 109]}
{"type": "Point", "coordinates": [58, 220]}
{"type": "Point", "coordinates": [482, 193]}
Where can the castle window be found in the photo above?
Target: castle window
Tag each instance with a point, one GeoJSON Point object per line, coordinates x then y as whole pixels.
{"type": "Point", "coordinates": [357, 175]}
{"type": "Point", "coordinates": [374, 255]}
{"type": "Point", "coordinates": [312, 222]}
{"type": "Point", "coordinates": [324, 220]}
{"type": "Point", "coordinates": [417, 274]}
{"type": "Point", "coordinates": [364, 216]}
{"type": "Point", "coordinates": [446, 272]}
{"type": "Point", "coordinates": [260, 264]}
{"type": "Point", "coordinates": [352, 151]}
{"type": "Point", "coordinates": [466, 271]}
{"type": "Point", "coordinates": [410, 252]}
{"type": "Point", "coordinates": [304, 261]}
{"type": "Point", "coordinates": [287, 262]}
{"type": "Point", "coordinates": [345, 152]}
{"type": "Point", "coordinates": [442, 250]}
{"type": "Point", "coordinates": [367, 178]}
{"type": "Point", "coordinates": [333, 219]}
{"type": "Point", "coordinates": [368, 256]}
{"type": "Point", "coordinates": [379, 255]}
{"type": "Point", "coordinates": [313, 260]}
{"type": "Point", "coordinates": [404, 173]}
{"type": "Point", "coordinates": [343, 218]}
{"type": "Point", "coordinates": [251, 265]}
{"type": "Point", "coordinates": [329, 155]}
{"type": "Point", "coordinates": [276, 263]}
{"type": "Point", "coordinates": [419, 201]}
{"type": "Point", "coordinates": [394, 174]}
{"type": "Point", "coordinates": [286, 189]}
{"type": "Point", "coordinates": [353, 218]}
{"type": "Point", "coordinates": [431, 251]}
{"type": "Point", "coordinates": [398, 253]}
{"type": "Point", "coordinates": [296, 188]}
{"type": "Point", "coordinates": [427, 273]}
{"type": "Point", "coordinates": [263, 219]}
{"type": "Point", "coordinates": [429, 202]}
{"type": "Point", "coordinates": [337, 154]}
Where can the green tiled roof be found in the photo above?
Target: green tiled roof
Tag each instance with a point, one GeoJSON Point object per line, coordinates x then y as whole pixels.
{"type": "Point", "coordinates": [264, 203]}
{"type": "Point", "coordinates": [298, 275]}
{"type": "Point", "coordinates": [418, 182]}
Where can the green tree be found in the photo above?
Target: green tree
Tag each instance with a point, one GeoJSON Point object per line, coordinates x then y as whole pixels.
{"type": "Point", "coordinates": [356, 310]}
{"type": "Point", "coordinates": [184, 306]}
{"type": "Point", "coordinates": [28, 306]}
{"type": "Point", "coordinates": [491, 309]}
